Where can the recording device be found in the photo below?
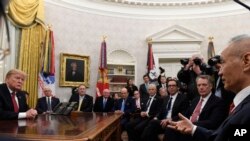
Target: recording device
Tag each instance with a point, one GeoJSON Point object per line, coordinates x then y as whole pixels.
{"type": "Point", "coordinates": [214, 60]}
{"type": "Point", "coordinates": [184, 62]}
{"type": "Point", "coordinates": [64, 108]}
{"type": "Point", "coordinates": [197, 61]}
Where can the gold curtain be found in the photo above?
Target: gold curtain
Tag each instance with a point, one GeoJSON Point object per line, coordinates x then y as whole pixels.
{"type": "Point", "coordinates": [29, 16]}
{"type": "Point", "coordinates": [26, 13]}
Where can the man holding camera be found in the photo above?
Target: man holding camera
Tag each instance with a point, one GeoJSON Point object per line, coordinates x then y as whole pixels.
{"type": "Point", "coordinates": [188, 73]}
{"type": "Point", "coordinates": [219, 90]}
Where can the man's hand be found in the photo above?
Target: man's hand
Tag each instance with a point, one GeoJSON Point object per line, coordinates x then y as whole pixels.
{"type": "Point", "coordinates": [118, 112]}
{"type": "Point", "coordinates": [197, 69]}
{"type": "Point", "coordinates": [31, 113]}
{"type": "Point", "coordinates": [165, 122]}
{"type": "Point", "coordinates": [184, 125]}
{"type": "Point", "coordinates": [144, 114]}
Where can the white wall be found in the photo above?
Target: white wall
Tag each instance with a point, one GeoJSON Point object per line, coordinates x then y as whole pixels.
{"type": "Point", "coordinates": [81, 33]}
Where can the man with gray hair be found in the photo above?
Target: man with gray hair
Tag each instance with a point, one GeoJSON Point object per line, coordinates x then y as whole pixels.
{"type": "Point", "coordinates": [235, 74]}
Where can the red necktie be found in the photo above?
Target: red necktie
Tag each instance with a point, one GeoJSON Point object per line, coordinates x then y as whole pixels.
{"type": "Point", "coordinates": [231, 108]}
{"type": "Point", "coordinates": [196, 112]}
{"type": "Point", "coordinates": [13, 95]}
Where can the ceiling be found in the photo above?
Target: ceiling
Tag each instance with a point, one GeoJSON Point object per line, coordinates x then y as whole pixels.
{"type": "Point", "coordinates": [155, 9]}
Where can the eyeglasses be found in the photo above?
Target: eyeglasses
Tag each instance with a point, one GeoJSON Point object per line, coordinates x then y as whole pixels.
{"type": "Point", "coordinates": [172, 85]}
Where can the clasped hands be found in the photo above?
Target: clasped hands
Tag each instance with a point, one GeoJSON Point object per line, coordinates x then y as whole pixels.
{"type": "Point", "coordinates": [31, 113]}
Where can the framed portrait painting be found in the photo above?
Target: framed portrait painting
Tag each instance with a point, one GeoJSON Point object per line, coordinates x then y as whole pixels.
{"type": "Point", "coordinates": [74, 70]}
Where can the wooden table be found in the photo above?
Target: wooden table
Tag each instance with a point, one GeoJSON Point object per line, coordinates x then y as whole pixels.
{"type": "Point", "coordinates": [78, 126]}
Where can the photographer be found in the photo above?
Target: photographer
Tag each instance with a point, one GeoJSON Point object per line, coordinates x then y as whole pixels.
{"type": "Point", "coordinates": [191, 69]}
{"type": "Point", "coordinates": [226, 96]}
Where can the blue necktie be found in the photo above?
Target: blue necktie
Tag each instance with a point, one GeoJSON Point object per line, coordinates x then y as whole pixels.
{"type": "Point", "coordinates": [123, 105]}
{"type": "Point", "coordinates": [49, 105]}
{"type": "Point", "coordinates": [104, 103]}
{"type": "Point", "coordinates": [169, 105]}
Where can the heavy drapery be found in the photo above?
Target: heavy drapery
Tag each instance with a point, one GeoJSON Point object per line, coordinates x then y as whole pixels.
{"type": "Point", "coordinates": [29, 16]}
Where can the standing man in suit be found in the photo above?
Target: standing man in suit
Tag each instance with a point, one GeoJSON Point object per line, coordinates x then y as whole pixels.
{"type": "Point", "coordinates": [173, 104]}
{"type": "Point", "coordinates": [12, 101]}
{"type": "Point", "coordinates": [84, 101]}
{"type": "Point", "coordinates": [149, 111]}
{"type": "Point", "coordinates": [124, 105]}
{"type": "Point", "coordinates": [235, 73]}
{"type": "Point", "coordinates": [47, 103]}
{"type": "Point", "coordinates": [104, 103]}
{"type": "Point", "coordinates": [144, 87]}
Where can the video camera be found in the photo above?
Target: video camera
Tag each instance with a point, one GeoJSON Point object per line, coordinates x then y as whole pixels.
{"type": "Point", "coordinates": [197, 61]}
{"type": "Point", "coordinates": [214, 60]}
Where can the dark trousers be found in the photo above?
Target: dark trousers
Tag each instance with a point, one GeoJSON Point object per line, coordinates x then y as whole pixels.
{"type": "Point", "coordinates": [135, 128]}
{"type": "Point", "coordinates": [152, 130]}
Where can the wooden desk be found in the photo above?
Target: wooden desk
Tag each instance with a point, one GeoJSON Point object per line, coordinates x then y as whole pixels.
{"type": "Point", "coordinates": [78, 126]}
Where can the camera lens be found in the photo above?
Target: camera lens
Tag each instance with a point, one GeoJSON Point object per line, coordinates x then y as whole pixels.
{"type": "Point", "coordinates": [197, 61]}
{"type": "Point", "coordinates": [184, 61]}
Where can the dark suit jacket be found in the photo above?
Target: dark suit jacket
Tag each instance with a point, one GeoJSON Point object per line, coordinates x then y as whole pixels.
{"type": "Point", "coordinates": [98, 106]}
{"type": "Point", "coordinates": [180, 106]}
{"type": "Point", "coordinates": [129, 106]}
{"type": "Point", "coordinates": [143, 91]}
{"type": "Point", "coordinates": [154, 108]}
{"type": "Point", "coordinates": [225, 132]}
{"type": "Point", "coordinates": [6, 106]}
{"type": "Point", "coordinates": [42, 106]}
{"type": "Point", "coordinates": [226, 96]}
{"type": "Point", "coordinates": [212, 114]}
{"type": "Point", "coordinates": [87, 103]}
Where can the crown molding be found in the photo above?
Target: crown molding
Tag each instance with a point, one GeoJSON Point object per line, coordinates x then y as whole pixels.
{"type": "Point", "coordinates": [106, 8]}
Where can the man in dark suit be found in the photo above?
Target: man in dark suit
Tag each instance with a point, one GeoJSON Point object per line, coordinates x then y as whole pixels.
{"type": "Point", "coordinates": [149, 111]}
{"type": "Point", "coordinates": [124, 105]}
{"type": "Point", "coordinates": [84, 101]}
{"type": "Point", "coordinates": [144, 87]}
{"type": "Point", "coordinates": [207, 110]}
{"type": "Point", "coordinates": [104, 103]}
{"type": "Point", "coordinates": [173, 104]}
{"type": "Point", "coordinates": [12, 101]}
{"type": "Point", "coordinates": [235, 73]}
{"type": "Point", "coordinates": [47, 103]}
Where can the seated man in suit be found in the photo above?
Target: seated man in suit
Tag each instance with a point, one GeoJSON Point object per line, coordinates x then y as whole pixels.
{"type": "Point", "coordinates": [104, 103]}
{"type": "Point", "coordinates": [149, 110]}
{"type": "Point", "coordinates": [47, 103]}
{"type": "Point", "coordinates": [173, 104]}
{"type": "Point", "coordinates": [85, 101]}
{"type": "Point", "coordinates": [124, 105]}
{"type": "Point", "coordinates": [235, 73]}
{"type": "Point", "coordinates": [12, 101]}
{"type": "Point", "coordinates": [207, 110]}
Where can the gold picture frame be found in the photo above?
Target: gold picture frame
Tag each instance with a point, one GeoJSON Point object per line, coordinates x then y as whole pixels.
{"type": "Point", "coordinates": [74, 70]}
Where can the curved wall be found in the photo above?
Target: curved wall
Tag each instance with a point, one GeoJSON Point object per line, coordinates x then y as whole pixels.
{"type": "Point", "coordinates": [81, 33]}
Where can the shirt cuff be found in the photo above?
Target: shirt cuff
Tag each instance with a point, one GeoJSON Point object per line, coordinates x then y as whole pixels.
{"type": "Point", "coordinates": [22, 115]}
{"type": "Point", "coordinates": [193, 130]}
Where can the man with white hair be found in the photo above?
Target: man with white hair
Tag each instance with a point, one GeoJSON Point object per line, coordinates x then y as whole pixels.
{"type": "Point", "coordinates": [47, 103]}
